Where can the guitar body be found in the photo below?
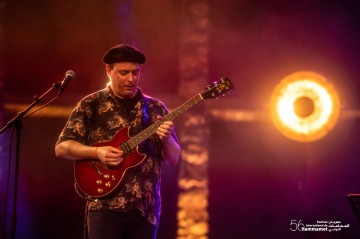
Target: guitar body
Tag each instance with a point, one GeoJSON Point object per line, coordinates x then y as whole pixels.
{"type": "Point", "coordinates": [94, 179]}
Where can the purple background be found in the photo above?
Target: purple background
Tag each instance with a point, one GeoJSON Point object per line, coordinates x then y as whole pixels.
{"type": "Point", "coordinates": [259, 180]}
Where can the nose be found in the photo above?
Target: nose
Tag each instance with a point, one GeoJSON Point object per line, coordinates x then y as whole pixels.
{"type": "Point", "coordinates": [131, 77]}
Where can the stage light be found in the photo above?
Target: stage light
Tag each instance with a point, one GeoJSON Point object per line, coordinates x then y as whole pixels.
{"type": "Point", "coordinates": [304, 106]}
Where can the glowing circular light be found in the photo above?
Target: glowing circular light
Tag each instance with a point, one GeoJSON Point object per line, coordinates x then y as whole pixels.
{"type": "Point", "coordinates": [304, 106]}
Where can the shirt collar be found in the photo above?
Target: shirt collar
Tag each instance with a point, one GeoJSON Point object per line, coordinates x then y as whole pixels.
{"type": "Point", "coordinates": [111, 94]}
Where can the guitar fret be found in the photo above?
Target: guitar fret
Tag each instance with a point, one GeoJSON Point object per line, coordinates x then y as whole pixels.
{"type": "Point", "coordinates": [145, 134]}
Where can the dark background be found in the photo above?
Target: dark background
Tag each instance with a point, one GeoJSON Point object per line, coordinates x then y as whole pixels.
{"type": "Point", "coordinates": [259, 180]}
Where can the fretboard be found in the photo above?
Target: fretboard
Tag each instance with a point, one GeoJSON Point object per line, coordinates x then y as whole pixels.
{"type": "Point", "coordinates": [149, 131]}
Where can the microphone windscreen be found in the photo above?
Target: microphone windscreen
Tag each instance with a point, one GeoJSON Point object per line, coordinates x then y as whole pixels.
{"type": "Point", "coordinates": [71, 74]}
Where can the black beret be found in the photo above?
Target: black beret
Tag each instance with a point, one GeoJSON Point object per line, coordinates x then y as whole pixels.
{"type": "Point", "coordinates": [123, 53]}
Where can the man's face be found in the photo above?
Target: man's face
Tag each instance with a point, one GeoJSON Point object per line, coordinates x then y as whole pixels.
{"type": "Point", "coordinates": [124, 78]}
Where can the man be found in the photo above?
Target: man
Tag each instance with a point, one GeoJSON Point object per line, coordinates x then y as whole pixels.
{"type": "Point", "coordinates": [133, 209]}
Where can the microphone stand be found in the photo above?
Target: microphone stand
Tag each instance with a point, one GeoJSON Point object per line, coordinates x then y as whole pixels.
{"type": "Point", "coordinates": [17, 124]}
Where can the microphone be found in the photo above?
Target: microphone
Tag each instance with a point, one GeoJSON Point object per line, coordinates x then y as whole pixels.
{"type": "Point", "coordinates": [68, 76]}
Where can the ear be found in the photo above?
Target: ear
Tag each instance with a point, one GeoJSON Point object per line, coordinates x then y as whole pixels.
{"type": "Point", "coordinates": [108, 70]}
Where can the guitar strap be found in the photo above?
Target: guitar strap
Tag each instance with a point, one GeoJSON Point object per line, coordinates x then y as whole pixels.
{"type": "Point", "coordinates": [147, 120]}
{"type": "Point", "coordinates": [146, 117]}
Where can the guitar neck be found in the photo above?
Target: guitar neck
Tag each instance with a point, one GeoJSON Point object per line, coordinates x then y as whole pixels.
{"type": "Point", "coordinates": [149, 131]}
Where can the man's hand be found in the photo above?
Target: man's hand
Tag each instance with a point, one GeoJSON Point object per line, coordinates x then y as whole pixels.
{"type": "Point", "coordinates": [109, 155]}
{"type": "Point", "coordinates": [165, 129]}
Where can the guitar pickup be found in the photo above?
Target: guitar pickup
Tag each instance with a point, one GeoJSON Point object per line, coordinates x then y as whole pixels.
{"type": "Point", "coordinates": [126, 148]}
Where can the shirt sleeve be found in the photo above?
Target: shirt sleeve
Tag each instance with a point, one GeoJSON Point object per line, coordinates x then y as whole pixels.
{"type": "Point", "coordinates": [75, 128]}
{"type": "Point", "coordinates": [161, 110]}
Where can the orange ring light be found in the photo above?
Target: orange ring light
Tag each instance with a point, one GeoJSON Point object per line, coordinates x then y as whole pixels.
{"type": "Point", "coordinates": [304, 106]}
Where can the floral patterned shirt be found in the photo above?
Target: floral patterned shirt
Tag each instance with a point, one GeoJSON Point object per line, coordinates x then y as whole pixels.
{"type": "Point", "coordinates": [97, 118]}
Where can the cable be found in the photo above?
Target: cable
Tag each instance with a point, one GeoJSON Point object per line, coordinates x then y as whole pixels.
{"type": "Point", "coordinates": [41, 107]}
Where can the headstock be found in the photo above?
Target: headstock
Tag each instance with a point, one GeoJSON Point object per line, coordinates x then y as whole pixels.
{"type": "Point", "coordinates": [221, 87]}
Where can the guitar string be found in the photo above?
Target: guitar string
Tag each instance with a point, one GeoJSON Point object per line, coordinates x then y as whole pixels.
{"type": "Point", "coordinates": [137, 139]}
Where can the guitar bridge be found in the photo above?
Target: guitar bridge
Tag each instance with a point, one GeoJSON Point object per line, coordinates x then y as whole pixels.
{"type": "Point", "coordinates": [97, 168]}
{"type": "Point", "coordinates": [126, 148]}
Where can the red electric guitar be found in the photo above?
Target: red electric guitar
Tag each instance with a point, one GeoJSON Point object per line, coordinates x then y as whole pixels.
{"type": "Point", "coordinates": [93, 179]}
